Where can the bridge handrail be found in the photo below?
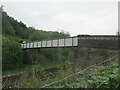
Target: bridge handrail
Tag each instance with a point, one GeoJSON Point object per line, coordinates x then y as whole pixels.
{"type": "Point", "coordinates": [50, 39]}
{"type": "Point", "coordinates": [59, 42]}
{"type": "Point", "coordinates": [81, 36]}
{"type": "Point", "coordinates": [27, 44]}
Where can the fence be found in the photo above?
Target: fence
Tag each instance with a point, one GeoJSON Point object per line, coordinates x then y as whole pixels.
{"type": "Point", "coordinates": [78, 72]}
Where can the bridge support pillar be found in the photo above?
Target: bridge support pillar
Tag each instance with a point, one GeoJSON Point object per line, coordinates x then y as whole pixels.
{"type": "Point", "coordinates": [75, 59]}
{"type": "Point", "coordinates": [81, 55]}
{"type": "Point", "coordinates": [26, 56]}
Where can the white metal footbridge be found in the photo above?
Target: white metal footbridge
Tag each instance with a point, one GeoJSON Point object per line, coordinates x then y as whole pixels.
{"type": "Point", "coordinates": [93, 41]}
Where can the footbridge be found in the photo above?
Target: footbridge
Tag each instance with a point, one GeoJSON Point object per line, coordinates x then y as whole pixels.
{"type": "Point", "coordinates": [89, 41]}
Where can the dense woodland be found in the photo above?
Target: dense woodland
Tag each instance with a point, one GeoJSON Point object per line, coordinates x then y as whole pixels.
{"type": "Point", "coordinates": [15, 32]}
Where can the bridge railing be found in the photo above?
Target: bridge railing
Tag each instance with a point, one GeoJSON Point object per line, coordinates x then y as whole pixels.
{"type": "Point", "coordinates": [63, 42]}
{"type": "Point", "coordinates": [99, 37]}
{"type": "Point", "coordinates": [81, 40]}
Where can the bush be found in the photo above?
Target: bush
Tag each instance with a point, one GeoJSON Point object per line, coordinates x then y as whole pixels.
{"type": "Point", "coordinates": [12, 54]}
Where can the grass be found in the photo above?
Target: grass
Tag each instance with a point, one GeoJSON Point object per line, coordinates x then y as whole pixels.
{"type": "Point", "coordinates": [23, 69]}
{"type": "Point", "coordinates": [28, 68]}
{"type": "Point", "coordinates": [101, 77]}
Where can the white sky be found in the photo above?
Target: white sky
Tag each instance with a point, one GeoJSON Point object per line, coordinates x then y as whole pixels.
{"type": "Point", "coordinates": [73, 16]}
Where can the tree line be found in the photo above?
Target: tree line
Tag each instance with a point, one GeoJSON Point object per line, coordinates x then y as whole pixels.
{"type": "Point", "coordinates": [14, 33]}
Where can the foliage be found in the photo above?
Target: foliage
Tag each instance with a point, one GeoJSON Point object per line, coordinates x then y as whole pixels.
{"type": "Point", "coordinates": [15, 32]}
{"type": "Point", "coordinates": [101, 77]}
{"type": "Point", "coordinates": [28, 81]}
{"type": "Point", "coordinates": [12, 53]}
{"type": "Point", "coordinates": [6, 26]}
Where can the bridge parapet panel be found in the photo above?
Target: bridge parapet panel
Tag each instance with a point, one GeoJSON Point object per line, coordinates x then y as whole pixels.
{"type": "Point", "coordinates": [75, 41]}
{"type": "Point", "coordinates": [68, 42]}
{"type": "Point", "coordinates": [44, 44]}
{"type": "Point", "coordinates": [35, 44]}
{"type": "Point", "coordinates": [49, 43]}
{"type": "Point", "coordinates": [39, 44]}
{"type": "Point", "coordinates": [55, 43]}
{"type": "Point", "coordinates": [61, 42]}
{"type": "Point", "coordinates": [104, 42]}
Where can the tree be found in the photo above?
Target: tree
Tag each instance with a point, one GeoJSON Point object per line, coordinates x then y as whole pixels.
{"type": "Point", "coordinates": [38, 35]}
{"type": "Point", "coordinates": [12, 53]}
{"type": "Point", "coordinates": [28, 32]}
{"type": "Point", "coordinates": [6, 26]}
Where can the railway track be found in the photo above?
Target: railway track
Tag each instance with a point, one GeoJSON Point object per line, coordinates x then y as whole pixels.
{"type": "Point", "coordinates": [10, 81]}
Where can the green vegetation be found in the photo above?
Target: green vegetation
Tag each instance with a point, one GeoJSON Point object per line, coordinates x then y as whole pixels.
{"type": "Point", "coordinates": [14, 33]}
{"type": "Point", "coordinates": [11, 53]}
{"type": "Point", "coordinates": [98, 77]}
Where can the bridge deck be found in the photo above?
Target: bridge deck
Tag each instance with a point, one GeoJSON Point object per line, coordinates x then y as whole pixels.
{"type": "Point", "coordinates": [98, 41]}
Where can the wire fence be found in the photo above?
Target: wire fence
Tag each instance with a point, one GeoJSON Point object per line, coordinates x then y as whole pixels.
{"type": "Point", "coordinates": [78, 72]}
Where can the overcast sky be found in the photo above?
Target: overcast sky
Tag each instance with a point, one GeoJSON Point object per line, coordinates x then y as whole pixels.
{"type": "Point", "coordinates": [73, 17]}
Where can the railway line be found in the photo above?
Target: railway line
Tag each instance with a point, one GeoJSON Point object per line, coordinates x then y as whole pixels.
{"type": "Point", "coordinates": [10, 81]}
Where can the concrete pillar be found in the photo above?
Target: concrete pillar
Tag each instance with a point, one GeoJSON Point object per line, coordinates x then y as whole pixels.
{"type": "Point", "coordinates": [26, 56]}
{"type": "Point", "coordinates": [75, 49]}
{"type": "Point", "coordinates": [80, 54]}
{"type": "Point", "coordinates": [59, 54]}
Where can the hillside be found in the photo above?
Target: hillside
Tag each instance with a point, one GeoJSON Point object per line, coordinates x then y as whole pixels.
{"type": "Point", "coordinates": [14, 33]}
